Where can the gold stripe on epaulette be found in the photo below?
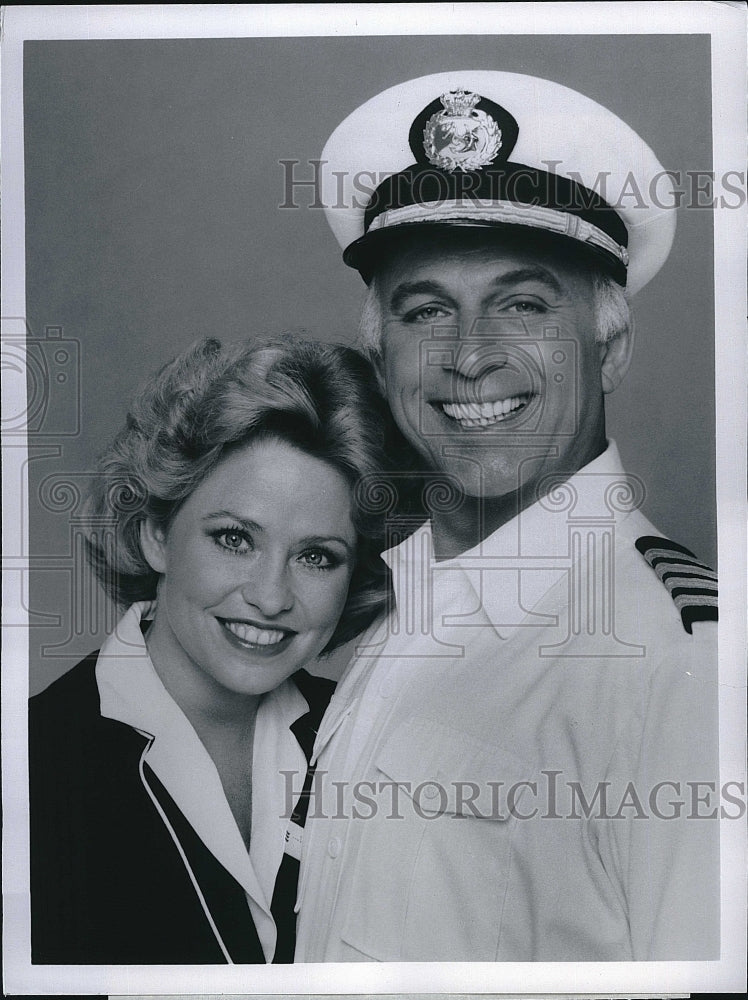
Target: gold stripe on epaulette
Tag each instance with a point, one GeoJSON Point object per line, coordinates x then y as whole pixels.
{"type": "Point", "coordinates": [691, 584]}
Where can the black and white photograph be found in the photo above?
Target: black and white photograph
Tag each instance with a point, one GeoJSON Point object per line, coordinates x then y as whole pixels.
{"type": "Point", "coordinates": [374, 517]}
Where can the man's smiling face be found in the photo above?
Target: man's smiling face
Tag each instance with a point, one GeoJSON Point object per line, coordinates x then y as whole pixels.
{"type": "Point", "coordinates": [490, 359]}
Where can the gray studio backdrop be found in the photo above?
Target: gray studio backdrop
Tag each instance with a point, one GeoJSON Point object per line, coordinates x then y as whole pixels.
{"type": "Point", "coordinates": [153, 187]}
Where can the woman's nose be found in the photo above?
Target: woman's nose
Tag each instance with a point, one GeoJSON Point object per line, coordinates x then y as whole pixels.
{"type": "Point", "coordinates": [268, 589]}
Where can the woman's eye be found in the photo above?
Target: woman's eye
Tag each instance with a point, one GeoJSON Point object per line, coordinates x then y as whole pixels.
{"type": "Point", "coordinates": [318, 559]}
{"type": "Point", "coordinates": [232, 540]}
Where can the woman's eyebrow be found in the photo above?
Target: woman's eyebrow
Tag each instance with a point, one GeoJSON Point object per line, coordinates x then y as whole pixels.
{"type": "Point", "coordinates": [324, 539]}
{"type": "Point", "coordinates": [248, 525]}
{"type": "Point", "coordinates": [243, 522]}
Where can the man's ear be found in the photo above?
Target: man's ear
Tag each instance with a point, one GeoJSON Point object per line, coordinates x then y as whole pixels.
{"type": "Point", "coordinates": [153, 544]}
{"type": "Point", "coordinates": [615, 358]}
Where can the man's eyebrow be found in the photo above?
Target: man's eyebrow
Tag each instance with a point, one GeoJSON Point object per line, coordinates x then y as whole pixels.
{"type": "Point", "coordinates": [531, 273]}
{"type": "Point", "coordinates": [424, 287]}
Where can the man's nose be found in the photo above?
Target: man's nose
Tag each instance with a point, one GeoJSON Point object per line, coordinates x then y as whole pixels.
{"type": "Point", "coordinates": [268, 588]}
{"type": "Point", "coordinates": [478, 345]}
{"type": "Point", "coordinates": [473, 359]}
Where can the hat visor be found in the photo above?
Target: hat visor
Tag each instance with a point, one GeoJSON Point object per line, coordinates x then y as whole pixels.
{"type": "Point", "coordinates": [373, 250]}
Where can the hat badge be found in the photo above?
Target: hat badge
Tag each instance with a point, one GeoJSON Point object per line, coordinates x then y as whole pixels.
{"type": "Point", "coordinates": [461, 137]}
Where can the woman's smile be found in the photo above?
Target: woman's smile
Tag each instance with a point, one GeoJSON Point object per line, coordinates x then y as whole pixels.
{"type": "Point", "coordinates": [265, 640]}
{"type": "Point", "coordinates": [255, 568]}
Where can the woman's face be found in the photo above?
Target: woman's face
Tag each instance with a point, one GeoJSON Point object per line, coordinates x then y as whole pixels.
{"type": "Point", "coordinates": [255, 568]}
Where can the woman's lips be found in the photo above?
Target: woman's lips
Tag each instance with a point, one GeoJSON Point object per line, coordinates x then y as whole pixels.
{"type": "Point", "coordinates": [247, 635]}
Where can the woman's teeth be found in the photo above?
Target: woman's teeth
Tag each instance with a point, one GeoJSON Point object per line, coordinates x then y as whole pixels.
{"type": "Point", "coordinates": [483, 414]}
{"type": "Point", "coordinates": [255, 636]}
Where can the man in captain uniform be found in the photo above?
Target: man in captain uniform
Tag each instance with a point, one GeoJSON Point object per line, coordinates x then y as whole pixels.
{"type": "Point", "coordinates": [518, 763]}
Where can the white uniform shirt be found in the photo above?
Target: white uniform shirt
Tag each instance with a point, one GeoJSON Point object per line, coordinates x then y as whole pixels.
{"type": "Point", "coordinates": [131, 692]}
{"type": "Point", "coordinates": [550, 660]}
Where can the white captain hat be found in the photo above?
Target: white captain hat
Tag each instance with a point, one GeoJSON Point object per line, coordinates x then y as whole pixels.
{"type": "Point", "coordinates": [479, 148]}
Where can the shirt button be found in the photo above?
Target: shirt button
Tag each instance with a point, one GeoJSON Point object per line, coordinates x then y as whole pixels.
{"type": "Point", "coordinates": [431, 790]}
{"type": "Point", "coordinates": [386, 687]}
{"type": "Point", "coordinates": [333, 847]}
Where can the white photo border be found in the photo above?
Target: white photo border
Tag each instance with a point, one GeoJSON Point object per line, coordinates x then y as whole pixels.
{"type": "Point", "coordinates": [723, 22]}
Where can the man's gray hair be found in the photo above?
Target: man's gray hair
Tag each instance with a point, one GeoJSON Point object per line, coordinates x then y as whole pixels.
{"type": "Point", "coordinates": [612, 314]}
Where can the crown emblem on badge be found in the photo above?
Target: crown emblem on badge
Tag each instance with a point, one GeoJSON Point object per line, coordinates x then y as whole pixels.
{"type": "Point", "coordinates": [459, 102]}
{"type": "Point", "coordinates": [461, 137]}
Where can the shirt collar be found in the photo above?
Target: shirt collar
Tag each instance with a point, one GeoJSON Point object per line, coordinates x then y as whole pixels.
{"type": "Point", "coordinates": [537, 539]}
{"type": "Point", "coordinates": [131, 692]}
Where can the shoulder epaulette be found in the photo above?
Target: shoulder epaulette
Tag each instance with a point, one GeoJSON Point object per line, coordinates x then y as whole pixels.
{"type": "Point", "coordinates": [691, 584]}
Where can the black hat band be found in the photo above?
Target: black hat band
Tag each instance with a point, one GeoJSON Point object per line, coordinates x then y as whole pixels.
{"type": "Point", "coordinates": [512, 213]}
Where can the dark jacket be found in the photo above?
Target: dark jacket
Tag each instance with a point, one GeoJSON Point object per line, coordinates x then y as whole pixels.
{"type": "Point", "coordinates": [108, 883]}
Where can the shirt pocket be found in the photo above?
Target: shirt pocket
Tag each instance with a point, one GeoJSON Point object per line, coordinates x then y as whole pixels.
{"type": "Point", "coordinates": [430, 868]}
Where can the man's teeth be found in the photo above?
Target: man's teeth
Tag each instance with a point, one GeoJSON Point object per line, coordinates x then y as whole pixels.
{"type": "Point", "coordinates": [483, 414]}
{"type": "Point", "coordinates": [255, 636]}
